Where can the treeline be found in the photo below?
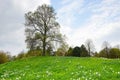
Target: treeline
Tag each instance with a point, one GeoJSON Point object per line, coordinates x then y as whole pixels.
{"type": "Point", "coordinates": [6, 57]}
{"type": "Point", "coordinates": [78, 51]}
{"type": "Point", "coordinates": [113, 52]}
{"type": "Point", "coordinates": [88, 50]}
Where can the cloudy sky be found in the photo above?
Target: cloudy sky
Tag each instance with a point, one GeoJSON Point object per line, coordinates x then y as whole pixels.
{"type": "Point", "coordinates": [98, 20]}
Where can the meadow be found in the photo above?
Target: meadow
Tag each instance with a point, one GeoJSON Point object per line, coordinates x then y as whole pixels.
{"type": "Point", "coordinates": [61, 68]}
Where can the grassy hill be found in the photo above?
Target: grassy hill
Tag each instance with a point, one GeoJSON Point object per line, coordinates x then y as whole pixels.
{"type": "Point", "coordinates": [61, 68]}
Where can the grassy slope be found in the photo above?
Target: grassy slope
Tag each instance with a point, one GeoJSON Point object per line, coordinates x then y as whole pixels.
{"type": "Point", "coordinates": [61, 68]}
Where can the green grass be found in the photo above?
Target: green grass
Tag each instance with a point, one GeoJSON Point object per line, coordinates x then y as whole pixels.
{"type": "Point", "coordinates": [61, 68]}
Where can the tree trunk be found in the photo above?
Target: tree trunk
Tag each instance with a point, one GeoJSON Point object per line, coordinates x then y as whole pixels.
{"type": "Point", "coordinates": [44, 50]}
{"type": "Point", "coordinates": [44, 45]}
{"type": "Point", "coordinates": [89, 51]}
{"type": "Point", "coordinates": [107, 52]}
{"type": "Point", "coordinates": [44, 40]}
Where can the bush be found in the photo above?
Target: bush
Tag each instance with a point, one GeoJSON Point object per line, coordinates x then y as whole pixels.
{"type": "Point", "coordinates": [60, 52]}
{"type": "Point", "coordinates": [3, 57]}
{"type": "Point", "coordinates": [33, 53]}
{"type": "Point", "coordinates": [21, 55]}
{"type": "Point", "coordinates": [114, 53]}
{"type": "Point", "coordinates": [69, 52]}
{"type": "Point", "coordinates": [102, 53]}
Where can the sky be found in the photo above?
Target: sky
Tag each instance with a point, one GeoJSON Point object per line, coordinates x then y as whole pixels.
{"type": "Point", "coordinates": [98, 20]}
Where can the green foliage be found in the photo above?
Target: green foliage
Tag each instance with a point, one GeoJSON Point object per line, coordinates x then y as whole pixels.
{"type": "Point", "coordinates": [21, 55]}
{"type": "Point", "coordinates": [61, 68]}
{"type": "Point", "coordinates": [69, 52]}
{"type": "Point", "coordinates": [114, 53]}
{"type": "Point", "coordinates": [76, 51]}
{"type": "Point", "coordinates": [60, 52]}
{"type": "Point", "coordinates": [28, 54]}
{"type": "Point", "coordinates": [3, 57]}
{"type": "Point", "coordinates": [102, 53]}
{"type": "Point", "coordinates": [96, 54]}
{"type": "Point", "coordinates": [84, 52]}
{"type": "Point", "coordinates": [34, 53]}
{"type": "Point", "coordinates": [49, 51]}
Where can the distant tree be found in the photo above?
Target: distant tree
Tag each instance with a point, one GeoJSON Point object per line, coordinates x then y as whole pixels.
{"type": "Point", "coordinates": [69, 52]}
{"type": "Point", "coordinates": [76, 51]}
{"type": "Point", "coordinates": [36, 52]}
{"type": "Point", "coordinates": [96, 54]}
{"type": "Point", "coordinates": [42, 28]}
{"type": "Point", "coordinates": [49, 51]}
{"type": "Point", "coordinates": [14, 58]}
{"type": "Point", "coordinates": [117, 46]}
{"type": "Point", "coordinates": [102, 53]}
{"type": "Point", "coordinates": [10, 58]}
{"type": "Point", "coordinates": [90, 47]}
{"type": "Point", "coordinates": [21, 55]}
{"type": "Point", "coordinates": [62, 50]}
{"type": "Point", "coordinates": [109, 52]}
{"type": "Point", "coordinates": [106, 48]}
{"type": "Point", "coordinates": [114, 53]}
{"type": "Point", "coordinates": [84, 52]}
{"type": "Point", "coordinates": [59, 52]}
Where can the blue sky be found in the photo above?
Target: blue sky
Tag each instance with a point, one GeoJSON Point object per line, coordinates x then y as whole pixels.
{"type": "Point", "coordinates": [98, 20]}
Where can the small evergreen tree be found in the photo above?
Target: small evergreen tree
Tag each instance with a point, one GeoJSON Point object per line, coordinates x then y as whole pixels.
{"type": "Point", "coordinates": [76, 51]}
{"type": "Point", "coordinates": [84, 52]}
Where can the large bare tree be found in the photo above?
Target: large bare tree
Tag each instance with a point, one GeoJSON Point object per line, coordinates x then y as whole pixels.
{"type": "Point", "coordinates": [106, 47]}
{"type": "Point", "coordinates": [41, 28]}
{"type": "Point", "coordinates": [90, 46]}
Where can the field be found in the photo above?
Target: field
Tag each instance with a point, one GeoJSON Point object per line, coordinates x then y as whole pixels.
{"type": "Point", "coordinates": [61, 68]}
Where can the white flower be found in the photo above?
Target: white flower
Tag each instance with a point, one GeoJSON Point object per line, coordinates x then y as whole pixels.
{"type": "Point", "coordinates": [118, 72]}
{"type": "Point", "coordinates": [17, 78]}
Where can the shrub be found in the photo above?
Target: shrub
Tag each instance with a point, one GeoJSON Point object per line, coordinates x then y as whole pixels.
{"type": "Point", "coordinates": [20, 56]}
{"type": "Point", "coordinates": [69, 52]}
{"type": "Point", "coordinates": [114, 53]}
{"type": "Point", "coordinates": [34, 53]}
{"type": "Point", "coordinates": [3, 57]}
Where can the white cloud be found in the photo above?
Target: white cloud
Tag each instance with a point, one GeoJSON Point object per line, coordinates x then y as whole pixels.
{"type": "Point", "coordinates": [67, 16]}
{"type": "Point", "coordinates": [65, 1]}
{"type": "Point", "coordinates": [105, 22]}
{"type": "Point", "coordinates": [13, 42]}
{"type": "Point", "coordinates": [27, 5]}
{"type": "Point", "coordinates": [104, 19]}
{"type": "Point", "coordinates": [67, 12]}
